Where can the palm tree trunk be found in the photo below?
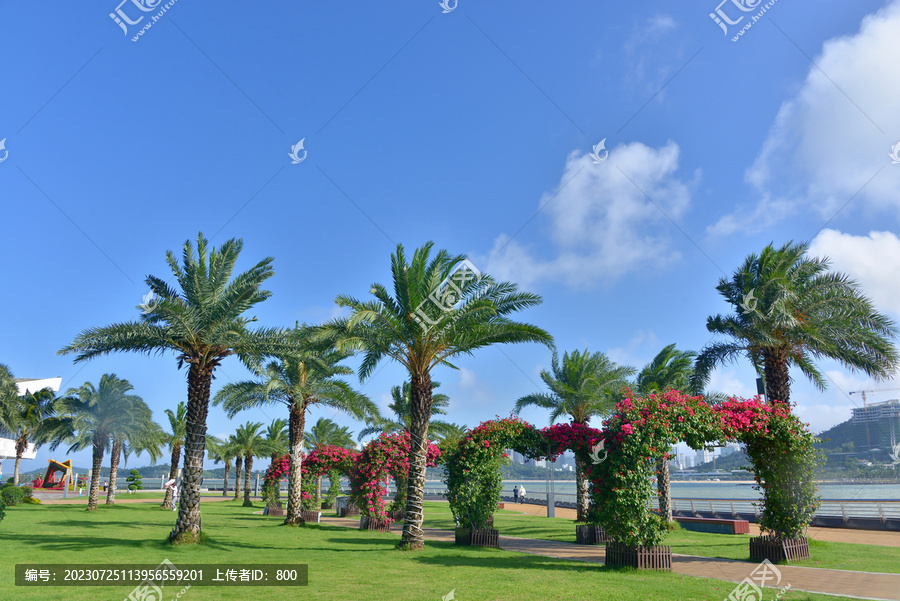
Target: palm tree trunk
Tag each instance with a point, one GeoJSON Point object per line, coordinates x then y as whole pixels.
{"type": "Point", "coordinates": [173, 473]}
{"type": "Point", "coordinates": [296, 424]}
{"type": "Point", "coordinates": [420, 415]}
{"type": "Point", "coordinates": [187, 528]}
{"type": "Point", "coordinates": [248, 466]}
{"type": "Point", "coordinates": [663, 488]}
{"type": "Point", "coordinates": [777, 377]}
{"type": "Point", "coordinates": [238, 464]}
{"type": "Point", "coordinates": [318, 491]}
{"type": "Point", "coordinates": [97, 464]}
{"type": "Point", "coordinates": [113, 471]}
{"type": "Point", "coordinates": [16, 469]}
{"type": "Point", "coordinates": [225, 481]}
{"type": "Point", "coordinates": [581, 487]}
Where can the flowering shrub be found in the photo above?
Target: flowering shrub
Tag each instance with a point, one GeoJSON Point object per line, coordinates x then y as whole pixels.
{"type": "Point", "coordinates": [383, 457]}
{"type": "Point", "coordinates": [323, 459]}
{"type": "Point", "coordinates": [472, 467]}
{"type": "Point", "coordinates": [784, 462]}
{"type": "Point", "coordinates": [643, 429]}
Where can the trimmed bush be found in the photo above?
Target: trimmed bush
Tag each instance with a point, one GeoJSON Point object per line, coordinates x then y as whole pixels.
{"type": "Point", "coordinates": [11, 494]}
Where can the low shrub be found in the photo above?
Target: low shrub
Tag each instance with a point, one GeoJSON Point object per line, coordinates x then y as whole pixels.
{"type": "Point", "coordinates": [11, 494]}
{"type": "Point", "coordinates": [31, 500]}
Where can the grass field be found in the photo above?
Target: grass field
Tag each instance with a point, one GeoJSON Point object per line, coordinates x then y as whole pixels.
{"type": "Point", "coordinates": [344, 564]}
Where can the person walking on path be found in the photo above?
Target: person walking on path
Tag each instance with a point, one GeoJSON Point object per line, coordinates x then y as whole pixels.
{"type": "Point", "coordinates": [515, 494]}
{"type": "Point", "coordinates": [521, 494]}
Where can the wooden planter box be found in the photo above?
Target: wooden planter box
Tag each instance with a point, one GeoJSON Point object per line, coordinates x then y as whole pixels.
{"type": "Point", "coordinates": [345, 512]}
{"type": "Point", "coordinates": [275, 512]}
{"type": "Point", "coordinates": [589, 535]}
{"type": "Point", "coordinates": [327, 505]}
{"type": "Point", "coordinates": [779, 550]}
{"type": "Point", "coordinates": [398, 515]}
{"type": "Point", "coordinates": [312, 517]}
{"type": "Point", "coordinates": [482, 537]}
{"type": "Point", "coordinates": [367, 523]}
{"type": "Point", "coordinates": [657, 557]}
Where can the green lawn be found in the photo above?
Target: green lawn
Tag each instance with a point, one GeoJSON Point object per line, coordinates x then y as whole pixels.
{"type": "Point", "coordinates": [344, 564]}
{"type": "Point", "coordinates": [839, 556]}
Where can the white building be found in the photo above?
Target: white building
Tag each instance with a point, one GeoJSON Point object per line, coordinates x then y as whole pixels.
{"type": "Point", "coordinates": [26, 385]}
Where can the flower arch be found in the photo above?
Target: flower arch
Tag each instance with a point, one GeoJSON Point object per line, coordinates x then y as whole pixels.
{"type": "Point", "coordinates": [368, 470]}
{"type": "Point", "coordinates": [642, 430]}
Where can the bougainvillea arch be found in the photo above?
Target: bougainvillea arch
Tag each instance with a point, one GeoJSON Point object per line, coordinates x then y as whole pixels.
{"type": "Point", "coordinates": [368, 470]}
{"type": "Point", "coordinates": [642, 430]}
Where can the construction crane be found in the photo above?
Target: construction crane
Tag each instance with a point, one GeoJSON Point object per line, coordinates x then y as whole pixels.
{"type": "Point", "coordinates": [866, 411]}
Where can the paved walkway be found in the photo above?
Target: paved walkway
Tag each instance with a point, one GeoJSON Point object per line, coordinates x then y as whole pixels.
{"type": "Point", "coordinates": [861, 585]}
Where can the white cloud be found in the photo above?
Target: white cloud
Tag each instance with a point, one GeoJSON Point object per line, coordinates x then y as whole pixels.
{"type": "Point", "coordinates": [834, 135]}
{"type": "Point", "coordinates": [602, 224]}
{"type": "Point", "coordinates": [873, 261]}
{"type": "Point", "coordinates": [475, 391]}
{"type": "Point", "coordinates": [639, 351]}
{"type": "Point", "coordinates": [728, 383]}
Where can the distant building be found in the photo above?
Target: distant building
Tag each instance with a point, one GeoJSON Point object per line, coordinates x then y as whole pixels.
{"type": "Point", "coordinates": [25, 385]}
{"type": "Point", "coordinates": [876, 412]}
{"type": "Point", "coordinates": [703, 456]}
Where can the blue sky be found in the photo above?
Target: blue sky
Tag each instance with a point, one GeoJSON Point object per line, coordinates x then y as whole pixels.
{"type": "Point", "coordinates": [471, 128]}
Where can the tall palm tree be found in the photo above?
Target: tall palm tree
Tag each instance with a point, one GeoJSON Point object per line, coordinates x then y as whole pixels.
{"type": "Point", "coordinates": [441, 308]}
{"type": "Point", "coordinates": [401, 407]}
{"type": "Point", "coordinates": [175, 440]}
{"type": "Point", "coordinates": [251, 444]}
{"type": "Point", "coordinates": [202, 322]}
{"type": "Point", "coordinates": [327, 432]}
{"type": "Point", "coordinates": [670, 369]}
{"type": "Point", "coordinates": [29, 419]}
{"type": "Point", "coordinates": [584, 385]}
{"type": "Point", "coordinates": [299, 380]}
{"type": "Point", "coordinates": [96, 414]}
{"type": "Point", "coordinates": [277, 439]}
{"type": "Point", "coordinates": [790, 310]}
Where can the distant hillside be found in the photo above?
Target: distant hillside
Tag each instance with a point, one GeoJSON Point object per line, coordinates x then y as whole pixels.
{"type": "Point", "coordinates": [849, 438]}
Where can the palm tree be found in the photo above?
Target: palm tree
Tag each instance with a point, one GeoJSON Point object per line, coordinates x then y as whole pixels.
{"type": "Point", "coordinates": [299, 380]}
{"type": "Point", "coordinates": [277, 438]}
{"type": "Point", "coordinates": [238, 464]}
{"type": "Point", "coordinates": [202, 323]}
{"type": "Point", "coordinates": [175, 440]}
{"type": "Point", "coordinates": [30, 419]}
{"type": "Point", "coordinates": [96, 414]}
{"type": "Point", "coordinates": [224, 452]}
{"type": "Point", "coordinates": [582, 386]}
{"type": "Point", "coordinates": [400, 406]}
{"type": "Point", "coordinates": [326, 432]}
{"type": "Point", "coordinates": [136, 432]}
{"type": "Point", "coordinates": [251, 444]}
{"type": "Point", "coordinates": [442, 308]}
{"type": "Point", "coordinates": [789, 310]}
{"type": "Point", "coordinates": [670, 369]}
